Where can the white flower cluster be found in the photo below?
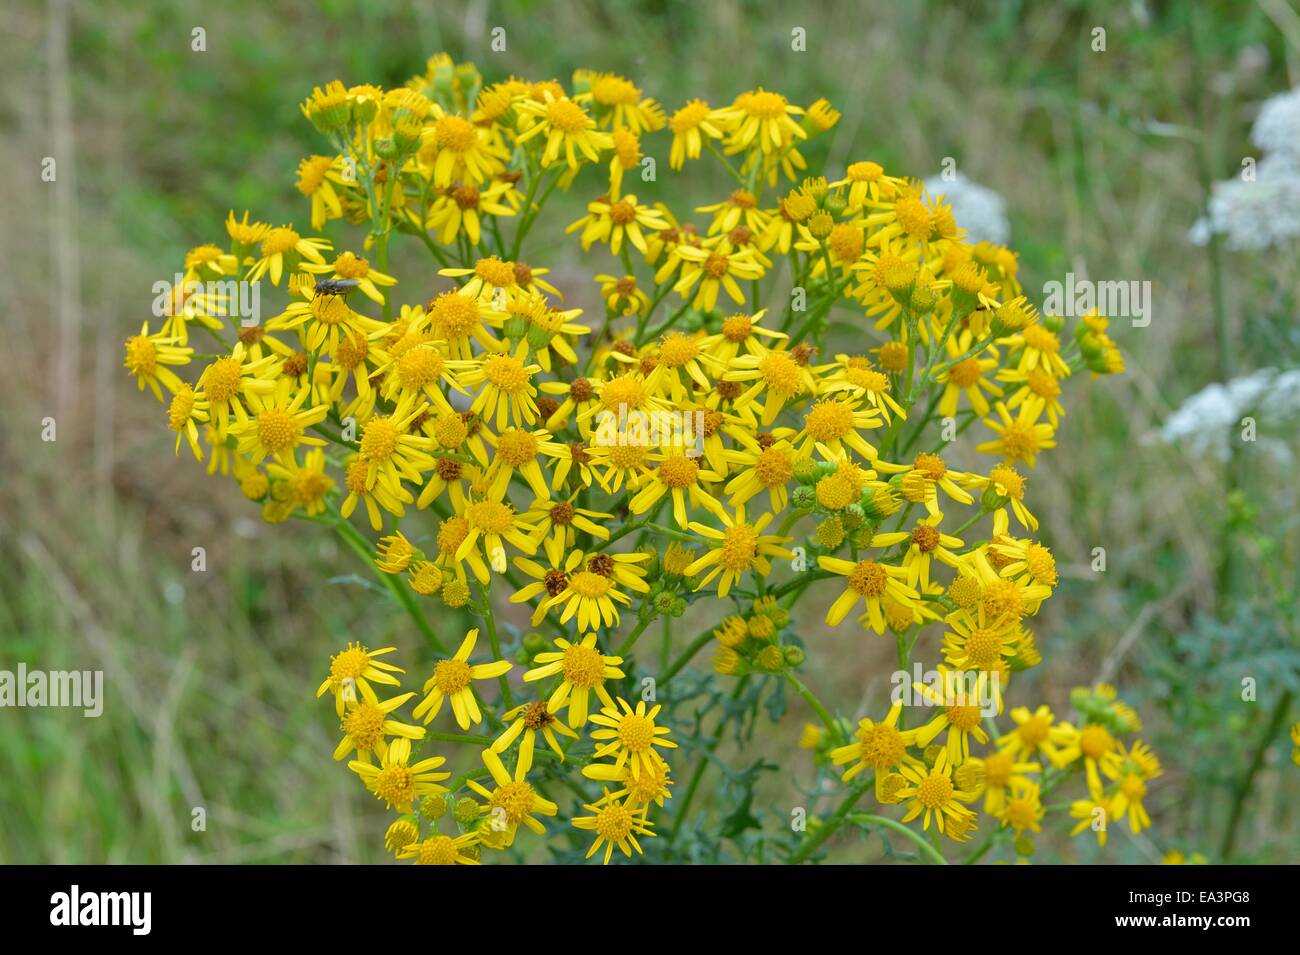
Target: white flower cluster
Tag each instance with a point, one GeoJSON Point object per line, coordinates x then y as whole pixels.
{"type": "Point", "coordinates": [1277, 127]}
{"type": "Point", "coordinates": [1262, 210]}
{"type": "Point", "coordinates": [1208, 420]}
{"type": "Point", "coordinates": [981, 211]}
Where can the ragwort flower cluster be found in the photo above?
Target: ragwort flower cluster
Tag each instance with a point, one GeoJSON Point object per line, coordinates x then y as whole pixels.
{"type": "Point", "coordinates": [689, 442]}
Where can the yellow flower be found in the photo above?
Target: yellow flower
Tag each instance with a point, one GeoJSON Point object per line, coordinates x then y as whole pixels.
{"type": "Point", "coordinates": [650, 783]}
{"type": "Point", "coordinates": [442, 850]}
{"type": "Point", "coordinates": [278, 423]}
{"type": "Point", "coordinates": [390, 452]}
{"type": "Point", "coordinates": [1008, 487]}
{"type": "Point", "coordinates": [562, 520]}
{"type": "Point", "coordinates": [1024, 808]}
{"type": "Point", "coordinates": [868, 581]}
{"type": "Point", "coordinates": [880, 747]}
{"type": "Point", "coordinates": [352, 670]}
{"type": "Point", "coordinates": [244, 235]}
{"type": "Point", "coordinates": [529, 719]}
{"type": "Point", "coordinates": [778, 375]}
{"type": "Point", "coordinates": [282, 249]}
{"type": "Point", "coordinates": [459, 320]}
{"type": "Point", "coordinates": [740, 547]}
{"type": "Point", "coordinates": [307, 482]}
{"type": "Point", "coordinates": [583, 670]}
{"type": "Point", "coordinates": [963, 697]}
{"type": "Point", "coordinates": [328, 109]}
{"type": "Point", "coordinates": [349, 267]}
{"type": "Point", "coordinates": [401, 834]}
{"type": "Point", "coordinates": [452, 680]}
{"type": "Point", "coordinates": [1025, 560]}
{"type": "Point", "coordinates": [148, 357]}
{"type": "Point", "coordinates": [397, 781]}
{"type": "Point", "coordinates": [494, 523]}
{"type": "Point", "coordinates": [460, 209]}
{"type": "Point", "coordinates": [993, 775]}
{"type": "Point", "coordinates": [619, 102]}
{"type": "Point", "coordinates": [763, 119]}
{"type": "Point", "coordinates": [463, 151]}
{"type": "Point", "coordinates": [622, 295]}
{"type": "Point", "coordinates": [866, 181]}
{"type": "Point", "coordinates": [612, 220]}
{"type": "Point", "coordinates": [1131, 770]}
{"type": "Point", "coordinates": [711, 270]}
{"type": "Point", "coordinates": [317, 177]}
{"type": "Point", "coordinates": [568, 128]}
{"type": "Point", "coordinates": [589, 587]}
{"type": "Point", "coordinates": [932, 793]}
{"type": "Point", "coordinates": [630, 736]}
{"type": "Point", "coordinates": [512, 802]}
{"type": "Point", "coordinates": [1093, 744]}
{"type": "Point", "coordinates": [1093, 813]}
{"type": "Point", "coordinates": [1035, 348]}
{"type": "Point", "coordinates": [1032, 735]}
{"type": "Point", "coordinates": [1021, 438]}
{"type": "Point", "coordinates": [738, 209]}
{"type": "Point", "coordinates": [233, 377]}
{"type": "Point", "coordinates": [967, 376]}
{"type": "Point", "coordinates": [486, 279]}
{"type": "Point", "coordinates": [681, 478]}
{"type": "Point", "coordinates": [366, 724]}
{"type": "Point", "coordinates": [615, 824]}
{"type": "Point", "coordinates": [184, 415]}
{"type": "Point", "coordinates": [690, 125]}
{"type": "Point", "coordinates": [505, 389]}
{"type": "Point", "coordinates": [833, 423]}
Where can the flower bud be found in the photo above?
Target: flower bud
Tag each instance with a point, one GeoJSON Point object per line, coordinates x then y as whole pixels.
{"type": "Point", "coordinates": [401, 834]}
{"type": "Point", "coordinates": [433, 806]}
{"type": "Point", "coordinates": [465, 811]}
{"type": "Point", "coordinates": [771, 659]}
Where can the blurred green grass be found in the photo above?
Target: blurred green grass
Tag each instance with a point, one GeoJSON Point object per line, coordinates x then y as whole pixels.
{"type": "Point", "coordinates": [211, 676]}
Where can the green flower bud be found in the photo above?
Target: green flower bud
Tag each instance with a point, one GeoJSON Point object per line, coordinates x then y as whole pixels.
{"type": "Point", "coordinates": [805, 471]}
{"type": "Point", "coordinates": [771, 658]}
{"type": "Point", "coordinates": [466, 811]}
{"type": "Point", "coordinates": [433, 806]}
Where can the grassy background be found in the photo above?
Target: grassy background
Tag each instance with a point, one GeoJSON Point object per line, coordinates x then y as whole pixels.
{"type": "Point", "coordinates": [1103, 159]}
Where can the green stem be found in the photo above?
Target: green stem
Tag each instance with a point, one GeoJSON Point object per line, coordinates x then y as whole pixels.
{"type": "Point", "coordinates": [866, 818]}
{"type": "Point", "coordinates": [489, 620]}
{"type": "Point", "coordinates": [459, 738]}
{"type": "Point", "coordinates": [404, 596]}
{"type": "Point", "coordinates": [1243, 788]}
{"type": "Point", "coordinates": [679, 814]}
{"type": "Point", "coordinates": [687, 655]}
{"type": "Point", "coordinates": [837, 819]}
{"type": "Point", "coordinates": [811, 699]}
{"type": "Point", "coordinates": [632, 637]}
